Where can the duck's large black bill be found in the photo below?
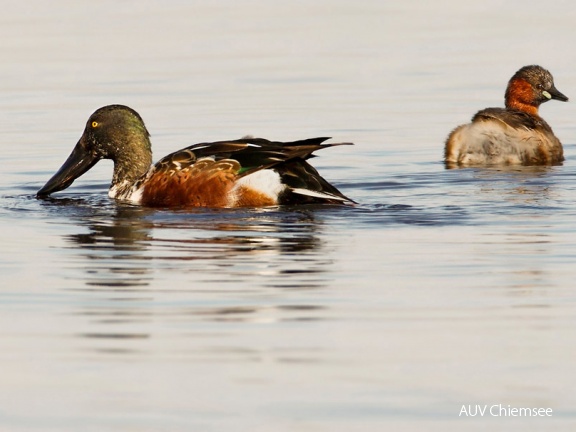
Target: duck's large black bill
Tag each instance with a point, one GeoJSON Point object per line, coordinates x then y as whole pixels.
{"type": "Point", "coordinates": [77, 164]}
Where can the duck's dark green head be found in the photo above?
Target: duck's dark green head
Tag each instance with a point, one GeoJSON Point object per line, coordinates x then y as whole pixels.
{"type": "Point", "coordinates": [114, 132]}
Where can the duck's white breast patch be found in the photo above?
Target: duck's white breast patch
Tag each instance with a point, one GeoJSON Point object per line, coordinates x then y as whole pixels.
{"type": "Point", "coordinates": [136, 196]}
{"type": "Point", "coordinates": [115, 189]}
{"type": "Point", "coordinates": [124, 193]}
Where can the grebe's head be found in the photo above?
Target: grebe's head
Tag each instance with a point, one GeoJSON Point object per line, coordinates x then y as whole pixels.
{"type": "Point", "coordinates": [529, 87]}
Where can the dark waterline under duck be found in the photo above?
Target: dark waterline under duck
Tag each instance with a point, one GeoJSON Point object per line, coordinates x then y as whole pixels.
{"type": "Point", "coordinates": [512, 135]}
{"type": "Point", "coordinates": [248, 172]}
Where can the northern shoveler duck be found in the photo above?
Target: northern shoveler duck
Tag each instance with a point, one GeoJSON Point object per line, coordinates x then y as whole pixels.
{"type": "Point", "coordinates": [512, 135]}
{"type": "Point", "coordinates": [247, 172]}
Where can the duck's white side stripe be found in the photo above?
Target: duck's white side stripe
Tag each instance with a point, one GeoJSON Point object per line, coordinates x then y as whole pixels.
{"type": "Point", "coordinates": [316, 194]}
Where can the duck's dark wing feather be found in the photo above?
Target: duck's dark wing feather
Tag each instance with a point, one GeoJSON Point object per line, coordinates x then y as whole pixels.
{"type": "Point", "coordinates": [306, 185]}
{"type": "Point", "coordinates": [252, 154]}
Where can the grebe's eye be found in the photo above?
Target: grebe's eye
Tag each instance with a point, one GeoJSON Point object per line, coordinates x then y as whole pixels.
{"type": "Point", "coordinates": [94, 124]}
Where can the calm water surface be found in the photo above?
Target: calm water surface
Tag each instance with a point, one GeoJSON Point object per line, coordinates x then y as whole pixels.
{"type": "Point", "coordinates": [441, 289]}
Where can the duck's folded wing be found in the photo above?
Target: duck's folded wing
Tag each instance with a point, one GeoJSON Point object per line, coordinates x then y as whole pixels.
{"type": "Point", "coordinates": [251, 154]}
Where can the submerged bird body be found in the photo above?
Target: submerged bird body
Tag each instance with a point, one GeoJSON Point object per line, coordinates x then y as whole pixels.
{"type": "Point", "coordinates": [512, 135]}
{"type": "Point", "coordinates": [247, 172]}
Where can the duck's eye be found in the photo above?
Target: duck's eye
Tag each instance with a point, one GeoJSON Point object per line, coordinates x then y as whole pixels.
{"type": "Point", "coordinates": [95, 124]}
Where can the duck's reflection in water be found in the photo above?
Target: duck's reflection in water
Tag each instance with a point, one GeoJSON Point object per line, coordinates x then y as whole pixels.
{"type": "Point", "coordinates": [139, 266]}
{"type": "Point", "coordinates": [129, 249]}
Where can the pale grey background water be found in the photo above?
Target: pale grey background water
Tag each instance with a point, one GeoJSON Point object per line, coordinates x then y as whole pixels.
{"type": "Point", "coordinates": [441, 289]}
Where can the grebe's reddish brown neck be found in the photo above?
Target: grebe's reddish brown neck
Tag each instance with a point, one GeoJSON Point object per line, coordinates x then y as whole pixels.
{"type": "Point", "coordinates": [520, 96]}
